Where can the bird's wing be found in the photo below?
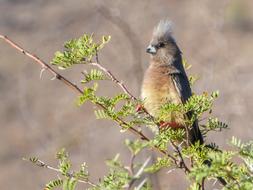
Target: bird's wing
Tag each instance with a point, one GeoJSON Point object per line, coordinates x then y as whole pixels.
{"type": "Point", "coordinates": [182, 85]}
{"type": "Point", "coordinates": [181, 82]}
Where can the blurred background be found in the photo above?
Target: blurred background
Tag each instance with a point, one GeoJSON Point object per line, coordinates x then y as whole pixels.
{"type": "Point", "coordinates": [39, 116]}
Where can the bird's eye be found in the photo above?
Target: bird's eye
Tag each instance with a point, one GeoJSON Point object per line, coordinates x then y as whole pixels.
{"type": "Point", "coordinates": [160, 45]}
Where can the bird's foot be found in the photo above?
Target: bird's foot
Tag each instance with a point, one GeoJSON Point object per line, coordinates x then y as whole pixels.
{"type": "Point", "coordinates": [140, 108]}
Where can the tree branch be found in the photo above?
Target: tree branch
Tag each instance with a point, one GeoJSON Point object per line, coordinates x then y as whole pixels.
{"type": "Point", "coordinates": [71, 175]}
{"type": "Point", "coordinates": [74, 87]}
{"type": "Point", "coordinates": [43, 64]}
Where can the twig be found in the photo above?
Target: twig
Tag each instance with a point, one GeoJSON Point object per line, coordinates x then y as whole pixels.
{"type": "Point", "coordinates": [138, 174]}
{"type": "Point", "coordinates": [121, 85]}
{"type": "Point", "coordinates": [203, 184]}
{"type": "Point", "coordinates": [43, 64]}
{"type": "Point", "coordinates": [71, 175]}
{"type": "Point", "coordinates": [182, 162]}
{"type": "Point", "coordinates": [114, 79]}
{"type": "Point", "coordinates": [131, 165]}
{"type": "Point", "coordinates": [141, 184]}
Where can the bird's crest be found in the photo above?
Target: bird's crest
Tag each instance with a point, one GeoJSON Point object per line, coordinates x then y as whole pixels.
{"type": "Point", "coordinates": [163, 30]}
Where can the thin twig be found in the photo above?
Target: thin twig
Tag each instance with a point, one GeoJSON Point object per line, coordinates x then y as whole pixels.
{"type": "Point", "coordinates": [71, 175]}
{"type": "Point", "coordinates": [182, 164]}
{"type": "Point", "coordinates": [113, 78]}
{"type": "Point", "coordinates": [43, 64]}
{"type": "Point", "coordinates": [141, 184]}
{"type": "Point", "coordinates": [131, 165]}
{"type": "Point", "coordinates": [203, 184]}
{"type": "Point", "coordinates": [121, 85]}
{"type": "Point", "coordinates": [140, 171]}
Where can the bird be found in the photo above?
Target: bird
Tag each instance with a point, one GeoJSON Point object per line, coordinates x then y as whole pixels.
{"type": "Point", "coordinates": [165, 80]}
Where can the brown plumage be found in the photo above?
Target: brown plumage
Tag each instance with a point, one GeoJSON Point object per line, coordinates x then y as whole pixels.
{"type": "Point", "coordinates": [165, 80]}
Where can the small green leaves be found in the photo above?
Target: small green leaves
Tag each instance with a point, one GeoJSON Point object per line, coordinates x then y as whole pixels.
{"type": "Point", "coordinates": [135, 146]}
{"type": "Point", "coordinates": [93, 75]}
{"type": "Point", "coordinates": [114, 163]}
{"type": "Point", "coordinates": [64, 162]}
{"type": "Point", "coordinates": [69, 183]}
{"type": "Point", "coordinates": [193, 79]}
{"type": "Point", "coordinates": [159, 164]}
{"type": "Point", "coordinates": [168, 110]}
{"type": "Point", "coordinates": [117, 178]}
{"type": "Point", "coordinates": [54, 184]}
{"type": "Point", "coordinates": [161, 140]}
{"type": "Point", "coordinates": [88, 94]}
{"type": "Point", "coordinates": [213, 124]}
{"type": "Point", "coordinates": [33, 159]}
{"type": "Point", "coordinates": [215, 94]}
{"type": "Point", "coordinates": [78, 51]}
{"type": "Point", "coordinates": [83, 173]}
{"type": "Point", "coordinates": [198, 104]}
{"type": "Point", "coordinates": [101, 114]}
{"type": "Point", "coordinates": [186, 65]}
{"type": "Point", "coordinates": [237, 142]}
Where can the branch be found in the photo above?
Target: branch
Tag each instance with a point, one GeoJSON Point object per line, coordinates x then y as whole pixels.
{"type": "Point", "coordinates": [74, 87]}
{"type": "Point", "coordinates": [43, 64]}
{"type": "Point", "coordinates": [182, 162]}
{"type": "Point", "coordinates": [114, 79]}
{"type": "Point", "coordinates": [122, 86]}
{"type": "Point", "coordinates": [70, 175]}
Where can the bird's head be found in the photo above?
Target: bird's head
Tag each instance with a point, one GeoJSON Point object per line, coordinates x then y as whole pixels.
{"type": "Point", "coordinates": [162, 46]}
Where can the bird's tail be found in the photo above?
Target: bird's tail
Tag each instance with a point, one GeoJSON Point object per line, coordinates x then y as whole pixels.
{"type": "Point", "coordinates": [196, 136]}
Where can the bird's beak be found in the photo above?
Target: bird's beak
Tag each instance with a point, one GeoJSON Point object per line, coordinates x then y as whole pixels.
{"type": "Point", "coordinates": [151, 49]}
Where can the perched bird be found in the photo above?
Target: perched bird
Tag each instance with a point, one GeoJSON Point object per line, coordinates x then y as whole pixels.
{"type": "Point", "coordinates": [165, 80]}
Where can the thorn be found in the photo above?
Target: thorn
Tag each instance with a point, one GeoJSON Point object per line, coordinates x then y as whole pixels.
{"type": "Point", "coordinates": [42, 71]}
{"type": "Point", "coordinates": [139, 108]}
{"type": "Point", "coordinates": [180, 145]}
{"type": "Point", "coordinates": [55, 76]}
{"type": "Point", "coordinates": [173, 169]}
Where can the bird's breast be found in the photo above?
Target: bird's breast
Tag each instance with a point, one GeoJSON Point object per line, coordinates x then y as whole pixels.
{"type": "Point", "coordinates": [157, 89]}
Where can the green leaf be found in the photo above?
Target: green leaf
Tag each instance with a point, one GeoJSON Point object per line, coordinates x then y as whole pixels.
{"type": "Point", "coordinates": [69, 184]}
{"type": "Point", "coordinates": [101, 114]}
{"type": "Point", "coordinates": [54, 184]}
{"type": "Point", "coordinates": [161, 140]}
{"type": "Point", "coordinates": [64, 162]}
{"type": "Point", "coordinates": [33, 159]}
{"type": "Point", "coordinates": [88, 94]}
{"type": "Point", "coordinates": [78, 51]}
{"type": "Point", "coordinates": [135, 146]}
{"type": "Point", "coordinates": [159, 164]}
{"type": "Point", "coordinates": [93, 75]}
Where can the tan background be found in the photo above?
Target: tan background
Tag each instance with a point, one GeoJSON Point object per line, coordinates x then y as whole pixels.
{"type": "Point", "coordinates": [38, 117]}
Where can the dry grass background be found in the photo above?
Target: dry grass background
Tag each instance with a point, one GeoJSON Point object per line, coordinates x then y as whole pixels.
{"type": "Point", "coordinates": [38, 117]}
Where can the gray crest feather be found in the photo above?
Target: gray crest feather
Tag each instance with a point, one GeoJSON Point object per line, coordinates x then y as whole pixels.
{"type": "Point", "coordinates": [163, 29]}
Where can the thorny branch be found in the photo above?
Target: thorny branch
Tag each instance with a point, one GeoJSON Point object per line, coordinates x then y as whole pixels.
{"type": "Point", "coordinates": [74, 87]}
{"type": "Point", "coordinates": [43, 64]}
